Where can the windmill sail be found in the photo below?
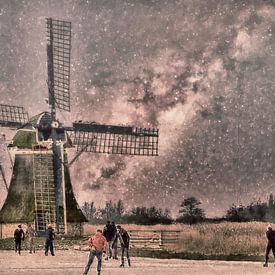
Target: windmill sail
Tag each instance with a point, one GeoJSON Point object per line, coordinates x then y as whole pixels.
{"type": "Point", "coordinates": [58, 55]}
{"type": "Point", "coordinates": [13, 116]}
{"type": "Point", "coordinates": [110, 139]}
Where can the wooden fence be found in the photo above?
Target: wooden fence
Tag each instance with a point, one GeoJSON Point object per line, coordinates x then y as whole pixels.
{"type": "Point", "coordinates": [154, 239]}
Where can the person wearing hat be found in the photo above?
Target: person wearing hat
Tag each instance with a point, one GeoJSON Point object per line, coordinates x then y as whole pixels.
{"type": "Point", "coordinates": [19, 236]}
{"type": "Point", "coordinates": [270, 235]}
{"type": "Point", "coordinates": [50, 235]}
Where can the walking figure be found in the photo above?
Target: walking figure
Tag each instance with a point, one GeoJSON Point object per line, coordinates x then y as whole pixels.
{"type": "Point", "coordinates": [114, 244]}
{"type": "Point", "coordinates": [31, 233]}
{"type": "Point", "coordinates": [19, 236]}
{"type": "Point", "coordinates": [50, 235]}
{"type": "Point", "coordinates": [124, 238]}
{"type": "Point", "coordinates": [109, 233]}
{"type": "Point", "coordinates": [270, 235]}
{"type": "Point", "coordinates": [98, 246]}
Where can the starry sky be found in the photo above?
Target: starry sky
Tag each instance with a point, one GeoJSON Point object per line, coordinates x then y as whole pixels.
{"type": "Point", "coordinates": [200, 71]}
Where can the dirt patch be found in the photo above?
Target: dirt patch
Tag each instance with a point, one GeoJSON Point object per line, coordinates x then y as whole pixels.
{"type": "Point", "coordinates": [72, 262]}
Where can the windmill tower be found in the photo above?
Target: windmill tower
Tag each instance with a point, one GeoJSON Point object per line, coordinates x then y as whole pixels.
{"type": "Point", "coordinates": [40, 190]}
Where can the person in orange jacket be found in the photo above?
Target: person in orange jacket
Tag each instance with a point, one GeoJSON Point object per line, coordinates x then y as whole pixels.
{"type": "Point", "coordinates": [98, 245]}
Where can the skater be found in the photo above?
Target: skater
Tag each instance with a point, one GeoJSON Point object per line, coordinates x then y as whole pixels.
{"type": "Point", "coordinates": [19, 236]}
{"type": "Point", "coordinates": [124, 239]}
{"type": "Point", "coordinates": [270, 235]}
{"type": "Point", "coordinates": [50, 235]}
{"type": "Point", "coordinates": [31, 233]}
{"type": "Point", "coordinates": [114, 244]}
{"type": "Point", "coordinates": [109, 232]}
{"type": "Point", "coordinates": [98, 246]}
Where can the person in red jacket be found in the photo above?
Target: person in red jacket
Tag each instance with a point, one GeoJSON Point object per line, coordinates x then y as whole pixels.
{"type": "Point", "coordinates": [98, 245]}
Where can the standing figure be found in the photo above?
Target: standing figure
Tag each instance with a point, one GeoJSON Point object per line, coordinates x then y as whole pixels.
{"type": "Point", "coordinates": [19, 236]}
{"type": "Point", "coordinates": [109, 233]}
{"type": "Point", "coordinates": [98, 246]}
{"type": "Point", "coordinates": [114, 243]}
{"type": "Point", "coordinates": [50, 235]}
{"type": "Point", "coordinates": [270, 235]}
{"type": "Point", "coordinates": [124, 239]}
{"type": "Point", "coordinates": [31, 233]}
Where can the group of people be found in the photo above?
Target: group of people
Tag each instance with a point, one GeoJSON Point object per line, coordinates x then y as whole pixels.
{"type": "Point", "coordinates": [106, 241]}
{"type": "Point", "coordinates": [19, 236]}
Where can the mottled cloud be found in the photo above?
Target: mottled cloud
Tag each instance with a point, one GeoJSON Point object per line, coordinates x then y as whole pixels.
{"type": "Point", "coordinates": [200, 72]}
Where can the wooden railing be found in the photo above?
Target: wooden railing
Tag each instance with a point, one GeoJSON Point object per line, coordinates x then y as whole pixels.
{"type": "Point", "coordinates": [153, 239]}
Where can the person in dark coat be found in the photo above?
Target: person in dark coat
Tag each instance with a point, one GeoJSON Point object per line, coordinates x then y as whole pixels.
{"type": "Point", "coordinates": [50, 235]}
{"type": "Point", "coordinates": [19, 236]}
{"type": "Point", "coordinates": [114, 244]}
{"type": "Point", "coordinates": [109, 233]}
{"type": "Point", "coordinates": [124, 238]}
{"type": "Point", "coordinates": [270, 235]}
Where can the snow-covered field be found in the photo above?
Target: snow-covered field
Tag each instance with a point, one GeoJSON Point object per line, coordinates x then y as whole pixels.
{"type": "Point", "coordinates": [73, 262]}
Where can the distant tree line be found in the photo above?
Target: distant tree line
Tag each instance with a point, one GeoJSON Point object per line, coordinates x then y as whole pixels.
{"type": "Point", "coordinates": [255, 211]}
{"type": "Point", "coordinates": [190, 212]}
{"type": "Point", "coordinates": [116, 212]}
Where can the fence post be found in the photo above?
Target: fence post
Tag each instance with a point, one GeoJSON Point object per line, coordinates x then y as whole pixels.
{"type": "Point", "coordinates": [160, 238]}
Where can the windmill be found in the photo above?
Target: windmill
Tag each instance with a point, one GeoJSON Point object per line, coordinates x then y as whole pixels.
{"type": "Point", "coordinates": [40, 188]}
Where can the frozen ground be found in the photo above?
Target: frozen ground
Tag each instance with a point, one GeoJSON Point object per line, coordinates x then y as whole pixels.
{"type": "Point", "coordinates": [73, 262]}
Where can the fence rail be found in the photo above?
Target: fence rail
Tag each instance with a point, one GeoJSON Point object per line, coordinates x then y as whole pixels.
{"type": "Point", "coordinates": [154, 239]}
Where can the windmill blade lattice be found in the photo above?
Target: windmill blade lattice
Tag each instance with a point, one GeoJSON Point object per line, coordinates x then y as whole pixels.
{"type": "Point", "coordinates": [59, 54]}
{"type": "Point", "coordinates": [12, 116]}
{"type": "Point", "coordinates": [110, 139]}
